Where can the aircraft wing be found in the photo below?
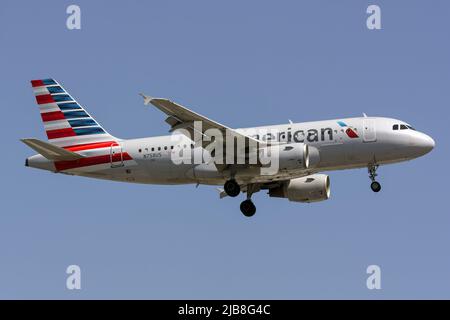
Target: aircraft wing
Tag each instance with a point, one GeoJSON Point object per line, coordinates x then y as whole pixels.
{"type": "Point", "coordinates": [180, 117]}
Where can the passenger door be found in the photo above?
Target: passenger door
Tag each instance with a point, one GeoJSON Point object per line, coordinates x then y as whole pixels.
{"type": "Point", "coordinates": [369, 131]}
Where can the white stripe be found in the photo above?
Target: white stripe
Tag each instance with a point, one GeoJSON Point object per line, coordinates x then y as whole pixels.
{"type": "Point", "coordinates": [40, 91]}
{"type": "Point", "coordinates": [58, 124]}
{"type": "Point", "coordinates": [48, 107]}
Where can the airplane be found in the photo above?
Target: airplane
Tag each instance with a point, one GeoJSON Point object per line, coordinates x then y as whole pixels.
{"type": "Point", "coordinates": [79, 145]}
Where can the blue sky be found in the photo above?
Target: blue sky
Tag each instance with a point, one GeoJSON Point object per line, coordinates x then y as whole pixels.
{"type": "Point", "coordinates": [242, 63]}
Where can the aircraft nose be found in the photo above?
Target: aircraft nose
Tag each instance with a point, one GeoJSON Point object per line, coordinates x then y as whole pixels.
{"type": "Point", "coordinates": [425, 143]}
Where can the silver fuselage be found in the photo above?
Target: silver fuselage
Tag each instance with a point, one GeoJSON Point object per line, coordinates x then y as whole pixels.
{"type": "Point", "coordinates": [373, 141]}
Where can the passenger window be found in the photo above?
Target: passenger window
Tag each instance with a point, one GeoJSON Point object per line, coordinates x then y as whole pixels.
{"type": "Point", "coordinates": [140, 150]}
{"type": "Point", "coordinates": [153, 149]}
{"type": "Point", "coordinates": [395, 127]}
{"type": "Point", "coordinates": [171, 147]}
{"type": "Point", "coordinates": [165, 148]}
{"type": "Point", "coordinates": [159, 148]}
{"type": "Point", "coordinates": [403, 127]}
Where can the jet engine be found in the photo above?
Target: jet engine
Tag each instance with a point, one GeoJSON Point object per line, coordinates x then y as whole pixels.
{"type": "Point", "coordinates": [312, 188]}
{"type": "Point", "coordinates": [293, 156]}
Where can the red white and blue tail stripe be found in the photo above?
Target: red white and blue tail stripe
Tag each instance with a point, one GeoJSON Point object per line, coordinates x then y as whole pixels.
{"type": "Point", "coordinates": [65, 120]}
{"type": "Point", "coordinates": [69, 126]}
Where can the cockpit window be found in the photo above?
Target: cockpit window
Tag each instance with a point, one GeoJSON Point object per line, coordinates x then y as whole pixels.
{"type": "Point", "coordinates": [402, 127]}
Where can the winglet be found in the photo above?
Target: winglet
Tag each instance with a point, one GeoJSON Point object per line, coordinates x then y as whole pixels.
{"type": "Point", "coordinates": [147, 99]}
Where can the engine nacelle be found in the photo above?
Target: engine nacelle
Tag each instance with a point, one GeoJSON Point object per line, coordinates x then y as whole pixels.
{"type": "Point", "coordinates": [294, 156]}
{"type": "Point", "coordinates": [312, 188]}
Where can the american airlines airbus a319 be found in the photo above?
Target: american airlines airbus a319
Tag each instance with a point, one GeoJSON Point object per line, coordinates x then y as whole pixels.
{"type": "Point", "coordinates": [284, 159]}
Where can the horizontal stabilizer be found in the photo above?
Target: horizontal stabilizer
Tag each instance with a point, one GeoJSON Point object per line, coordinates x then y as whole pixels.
{"type": "Point", "coordinates": [50, 151]}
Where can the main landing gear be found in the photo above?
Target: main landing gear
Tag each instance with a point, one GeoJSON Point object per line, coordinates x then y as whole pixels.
{"type": "Point", "coordinates": [248, 208]}
{"type": "Point", "coordinates": [375, 185]}
{"type": "Point", "coordinates": [232, 189]}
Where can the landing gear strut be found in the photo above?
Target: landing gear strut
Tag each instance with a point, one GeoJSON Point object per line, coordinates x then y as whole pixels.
{"type": "Point", "coordinates": [232, 188]}
{"type": "Point", "coordinates": [375, 185]}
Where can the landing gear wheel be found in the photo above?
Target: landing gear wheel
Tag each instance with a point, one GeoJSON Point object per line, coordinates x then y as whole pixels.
{"type": "Point", "coordinates": [248, 208]}
{"type": "Point", "coordinates": [232, 188]}
{"type": "Point", "coordinates": [375, 186]}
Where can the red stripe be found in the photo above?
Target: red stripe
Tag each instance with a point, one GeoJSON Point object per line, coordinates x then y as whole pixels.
{"type": "Point", "coordinates": [37, 83]}
{"type": "Point", "coordinates": [45, 98]}
{"type": "Point", "coordinates": [91, 161]}
{"type": "Point", "coordinates": [60, 133]}
{"type": "Point", "coordinates": [52, 116]}
{"type": "Point", "coordinates": [88, 146]}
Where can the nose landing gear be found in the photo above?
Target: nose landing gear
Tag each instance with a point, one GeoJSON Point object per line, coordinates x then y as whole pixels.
{"type": "Point", "coordinates": [375, 185]}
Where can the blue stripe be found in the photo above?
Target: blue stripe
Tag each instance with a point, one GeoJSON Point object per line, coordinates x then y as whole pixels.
{"type": "Point", "coordinates": [82, 122]}
{"type": "Point", "coordinates": [342, 123]}
{"type": "Point", "coordinates": [68, 106]}
{"type": "Point", "coordinates": [75, 114]}
{"type": "Point", "coordinates": [48, 82]}
{"type": "Point", "coordinates": [87, 131]}
{"type": "Point", "coordinates": [55, 89]}
{"type": "Point", "coordinates": [62, 97]}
